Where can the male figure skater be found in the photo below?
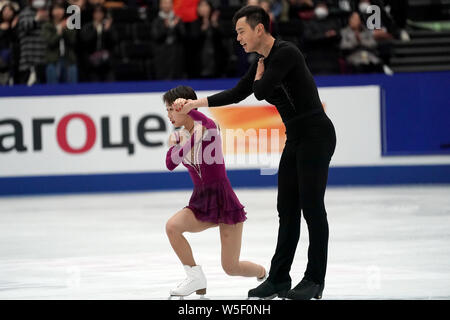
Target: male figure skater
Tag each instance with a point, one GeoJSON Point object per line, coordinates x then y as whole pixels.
{"type": "Point", "coordinates": [281, 77]}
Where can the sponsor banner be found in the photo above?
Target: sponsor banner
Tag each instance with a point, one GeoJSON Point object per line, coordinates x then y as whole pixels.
{"type": "Point", "coordinates": [127, 133]}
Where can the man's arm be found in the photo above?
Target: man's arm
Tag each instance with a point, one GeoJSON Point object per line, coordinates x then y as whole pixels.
{"type": "Point", "coordinates": [241, 91]}
{"type": "Point", "coordinates": [279, 67]}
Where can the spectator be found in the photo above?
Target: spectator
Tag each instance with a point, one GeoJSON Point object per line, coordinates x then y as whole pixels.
{"type": "Point", "coordinates": [267, 6]}
{"type": "Point", "coordinates": [387, 28]}
{"type": "Point", "coordinates": [14, 4]}
{"type": "Point", "coordinates": [359, 46]}
{"type": "Point", "coordinates": [205, 49]}
{"type": "Point", "coordinates": [303, 9]}
{"type": "Point", "coordinates": [97, 43]}
{"type": "Point", "coordinates": [8, 23]}
{"type": "Point", "coordinates": [32, 45]}
{"type": "Point", "coordinates": [61, 42]}
{"type": "Point", "coordinates": [168, 32]}
{"type": "Point", "coordinates": [85, 10]}
{"type": "Point", "coordinates": [279, 9]}
{"type": "Point", "coordinates": [384, 33]}
{"type": "Point", "coordinates": [398, 9]}
{"type": "Point", "coordinates": [321, 41]}
{"type": "Point", "coordinates": [186, 10]}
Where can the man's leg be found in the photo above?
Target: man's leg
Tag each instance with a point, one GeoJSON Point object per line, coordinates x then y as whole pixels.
{"type": "Point", "coordinates": [313, 176]}
{"type": "Point", "coordinates": [279, 281]}
{"type": "Point", "coordinates": [289, 214]}
{"type": "Point", "coordinates": [313, 160]}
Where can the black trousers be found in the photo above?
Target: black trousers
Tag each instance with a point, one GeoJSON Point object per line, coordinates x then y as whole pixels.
{"type": "Point", "coordinates": [302, 179]}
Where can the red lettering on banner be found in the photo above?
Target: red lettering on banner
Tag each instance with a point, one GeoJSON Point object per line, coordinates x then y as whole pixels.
{"type": "Point", "coordinates": [61, 132]}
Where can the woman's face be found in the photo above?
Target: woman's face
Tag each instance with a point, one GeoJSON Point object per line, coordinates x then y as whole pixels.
{"type": "Point", "coordinates": [7, 14]}
{"type": "Point", "coordinates": [204, 10]}
{"type": "Point", "coordinates": [58, 13]}
{"type": "Point", "coordinates": [354, 21]}
{"type": "Point", "coordinates": [98, 15]}
{"type": "Point", "coordinates": [176, 118]}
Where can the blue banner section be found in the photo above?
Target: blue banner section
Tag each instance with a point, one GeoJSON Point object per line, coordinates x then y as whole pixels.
{"type": "Point", "coordinates": [338, 176]}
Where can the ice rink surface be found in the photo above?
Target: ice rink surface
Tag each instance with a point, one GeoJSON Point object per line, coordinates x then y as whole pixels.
{"type": "Point", "coordinates": [385, 243]}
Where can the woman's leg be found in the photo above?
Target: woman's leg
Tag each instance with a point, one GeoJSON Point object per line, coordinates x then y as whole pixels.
{"type": "Point", "coordinates": [184, 221]}
{"type": "Point", "coordinates": [231, 237]}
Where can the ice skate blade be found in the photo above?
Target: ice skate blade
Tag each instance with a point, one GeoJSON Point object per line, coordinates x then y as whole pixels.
{"type": "Point", "coordinates": [200, 292]}
{"type": "Point", "coordinates": [263, 298]}
{"type": "Point", "coordinates": [201, 297]}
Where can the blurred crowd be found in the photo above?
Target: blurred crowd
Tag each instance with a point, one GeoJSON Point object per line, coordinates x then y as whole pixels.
{"type": "Point", "coordinates": [43, 41]}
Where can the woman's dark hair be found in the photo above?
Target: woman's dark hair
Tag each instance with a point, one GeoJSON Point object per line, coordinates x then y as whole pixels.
{"type": "Point", "coordinates": [10, 6]}
{"type": "Point", "coordinates": [99, 7]}
{"type": "Point", "coordinates": [255, 15]}
{"type": "Point", "coordinates": [184, 92]}
{"type": "Point", "coordinates": [57, 4]}
{"type": "Point", "coordinates": [210, 6]}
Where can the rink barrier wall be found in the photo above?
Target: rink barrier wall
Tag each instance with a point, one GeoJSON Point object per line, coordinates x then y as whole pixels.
{"type": "Point", "coordinates": [405, 99]}
{"type": "Point", "coordinates": [415, 106]}
{"type": "Point", "coordinates": [159, 181]}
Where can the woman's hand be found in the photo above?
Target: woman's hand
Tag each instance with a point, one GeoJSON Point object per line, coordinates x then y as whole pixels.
{"type": "Point", "coordinates": [259, 69]}
{"type": "Point", "coordinates": [174, 138]}
{"type": "Point", "coordinates": [179, 104]}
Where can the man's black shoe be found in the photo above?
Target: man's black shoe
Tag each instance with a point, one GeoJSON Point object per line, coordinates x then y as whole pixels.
{"type": "Point", "coordinates": [268, 290]}
{"type": "Point", "coordinates": [306, 290]}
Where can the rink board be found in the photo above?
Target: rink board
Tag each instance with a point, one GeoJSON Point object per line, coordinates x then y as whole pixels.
{"type": "Point", "coordinates": [114, 139]}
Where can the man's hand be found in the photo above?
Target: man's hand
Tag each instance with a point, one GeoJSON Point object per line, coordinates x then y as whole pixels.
{"type": "Point", "coordinates": [330, 33]}
{"type": "Point", "coordinates": [108, 23]}
{"type": "Point", "coordinates": [260, 69]}
{"type": "Point", "coordinates": [41, 15]}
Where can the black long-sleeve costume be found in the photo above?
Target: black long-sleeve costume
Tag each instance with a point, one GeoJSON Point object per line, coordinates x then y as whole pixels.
{"type": "Point", "coordinates": [303, 170]}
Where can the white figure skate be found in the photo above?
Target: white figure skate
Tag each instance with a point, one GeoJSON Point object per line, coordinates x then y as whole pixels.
{"type": "Point", "coordinates": [195, 282]}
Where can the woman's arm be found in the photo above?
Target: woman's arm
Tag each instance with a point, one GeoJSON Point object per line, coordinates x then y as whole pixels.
{"type": "Point", "coordinates": [176, 153]}
{"type": "Point", "coordinates": [205, 121]}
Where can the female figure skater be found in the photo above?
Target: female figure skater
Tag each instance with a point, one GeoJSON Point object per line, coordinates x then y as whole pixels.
{"type": "Point", "coordinates": [213, 201]}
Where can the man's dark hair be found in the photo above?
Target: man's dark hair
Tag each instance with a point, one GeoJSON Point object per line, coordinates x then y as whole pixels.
{"type": "Point", "coordinates": [184, 92]}
{"type": "Point", "coordinates": [255, 15]}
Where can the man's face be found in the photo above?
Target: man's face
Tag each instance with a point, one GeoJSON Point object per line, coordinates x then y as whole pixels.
{"type": "Point", "coordinates": [165, 5]}
{"type": "Point", "coordinates": [246, 36]}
